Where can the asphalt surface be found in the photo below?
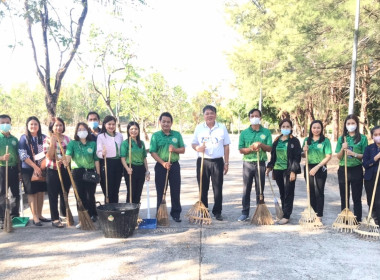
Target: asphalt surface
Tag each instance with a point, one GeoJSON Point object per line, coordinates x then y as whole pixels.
{"type": "Point", "coordinates": [225, 249]}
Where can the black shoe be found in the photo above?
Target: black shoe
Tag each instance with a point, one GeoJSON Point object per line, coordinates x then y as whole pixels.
{"type": "Point", "coordinates": [94, 218]}
{"type": "Point", "coordinates": [177, 219]}
{"type": "Point", "coordinates": [38, 224]}
{"type": "Point", "coordinates": [44, 220]}
{"type": "Point", "coordinates": [57, 224]}
{"type": "Point", "coordinates": [218, 217]}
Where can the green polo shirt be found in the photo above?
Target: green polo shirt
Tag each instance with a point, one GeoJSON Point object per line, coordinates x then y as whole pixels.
{"type": "Point", "coordinates": [318, 151]}
{"type": "Point", "coordinates": [249, 136]}
{"type": "Point", "coordinates": [281, 155]}
{"type": "Point", "coordinates": [12, 144]}
{"type": "Point", "coordinates": [83, 155]}
{"type": "Point", "coordinates": [160, 144]}
{"type": "Point", "coordinates": [138, 154]}
{"type": "Point", "coordinates": [356, 148]}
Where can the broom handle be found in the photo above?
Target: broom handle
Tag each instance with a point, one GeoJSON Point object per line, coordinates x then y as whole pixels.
{"type": "Point", "coordinates": [60, 179]}
{"type": "Point", "coordinates": [270, 184]}
{"type": "Point", "coordinates": [307, 182]}
{"type": "Point", "coordinates": [345, 177]}
{"type": "Point", "coordinates": [373, 193]}
{"type": "Point", "coordinates": [130, 166]}
{"type": "Point", "coordinates": [147, 200]}
{"type": "Point", "coordinates": [70, 175]}
{"type": "Point", "coordinates": [258, 171]}
{"type": "Point", "coordinates": [201, 177]}
{"type": "Point", "coordinates": [106, 176]}
{"type": "Point", "coordinates": [6, 174]}
{"type": "Point", "coordinates": [167, 177]}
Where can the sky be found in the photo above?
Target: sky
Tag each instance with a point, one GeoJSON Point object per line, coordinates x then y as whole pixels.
{"type": "Point", "coordinates": [185, 40]}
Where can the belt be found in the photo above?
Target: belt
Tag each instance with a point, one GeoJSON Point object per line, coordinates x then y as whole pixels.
{"type": "Point", "coordinates": [214, 159]}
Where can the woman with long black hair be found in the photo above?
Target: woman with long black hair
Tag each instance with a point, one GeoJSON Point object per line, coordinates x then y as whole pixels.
{"type": "Point", "coordinates": [354, 144]}
{"type": "Point", "coordinates": [139, 167]}
{"type": "Point", "coordinates": [108, 146]}
{"type": "Point", "coordinates": [319, 154]}
{"type": "Point", "coordinates": [32, 156]}
{"type": "Point", "coordinates": [285, 163]}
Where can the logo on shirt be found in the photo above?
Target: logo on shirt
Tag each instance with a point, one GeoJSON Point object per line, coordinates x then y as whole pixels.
{"type": "Point", "coordinates": [14, 143]}
{"type": "Point", "coordinates": [175, 140]}
{"type": "Point", "coordinates": [89, 150]}
{"type": "Point", "coordinates": [319, 146]}
{"type": "Point", "coordinates": [262, 137]}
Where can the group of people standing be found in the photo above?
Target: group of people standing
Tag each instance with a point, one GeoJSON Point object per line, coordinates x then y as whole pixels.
{"type": "Point", "coordinates": [41, 162]}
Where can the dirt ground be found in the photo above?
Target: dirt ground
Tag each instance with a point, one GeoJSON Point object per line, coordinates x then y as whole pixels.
{"type": "Point", "coordinates": [223, 250]}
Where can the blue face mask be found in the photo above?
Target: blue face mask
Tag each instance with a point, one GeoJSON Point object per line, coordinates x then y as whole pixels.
{"type": "Point", "coordinates": [93, 125]}
{"type": "Point", "coordinates": [5, 127]}
{"type": "Point", "coordinates": [285, 131]}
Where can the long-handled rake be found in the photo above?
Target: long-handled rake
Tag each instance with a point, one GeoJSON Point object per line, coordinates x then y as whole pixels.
{"type": "Point", "coordinates": [69, 215]}
{"type": "Point", "coordinates": [346, 220]}
{"type": "Point", "coordinates": [84, 218]}
{"type": "Point", "coordinates": [130, 166]}
{"type": "Point", "coordinates": [162, 212]}
{"type": "Point", "coordinates": [308, 218]}
{"type": "Point", "coordinates": [106, 177]}
{"type": "Point", "coordinates": [279, 213]}
{"type": "Point", "coordinates": [368, 228]}
{"type": "Point", "coordinates": [262, 215]}
{"type": "Point", "coordinates": [7, 216]}
{"type": "Point", "coordinates": [198, 213]}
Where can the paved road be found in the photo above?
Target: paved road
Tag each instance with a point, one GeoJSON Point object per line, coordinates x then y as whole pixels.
{"type": "Point", "coordinates": [222, 250]}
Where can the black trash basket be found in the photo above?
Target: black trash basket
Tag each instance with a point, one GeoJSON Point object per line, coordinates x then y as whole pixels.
{"type": "Point", "coordinates": [118, 220]}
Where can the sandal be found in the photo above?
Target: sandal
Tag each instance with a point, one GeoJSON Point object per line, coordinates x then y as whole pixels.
{"type": "Point", "coordinates": [57, 224]}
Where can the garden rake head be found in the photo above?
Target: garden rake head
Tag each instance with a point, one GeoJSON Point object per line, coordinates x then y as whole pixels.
{"type": "Point", "coordinates": [368, 229]}
{"type": "Point", "coordinates": [198, 214]}
{"type": "Point", "coordinates": [345, 222]}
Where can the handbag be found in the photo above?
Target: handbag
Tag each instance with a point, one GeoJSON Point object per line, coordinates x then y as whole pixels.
{"type": "Point", "coordinates": [42, 166]}
{"type": "Point", "coordinates": [91, 176]}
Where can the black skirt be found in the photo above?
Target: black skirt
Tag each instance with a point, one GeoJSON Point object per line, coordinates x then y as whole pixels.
{"type": "Point", "coordinates": [29, 186]}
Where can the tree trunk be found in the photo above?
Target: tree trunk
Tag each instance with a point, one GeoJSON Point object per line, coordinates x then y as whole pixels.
{"type": "Point", "coordinates": [365, 82]}
{"type": "Point", "coordinates": [335, 114]}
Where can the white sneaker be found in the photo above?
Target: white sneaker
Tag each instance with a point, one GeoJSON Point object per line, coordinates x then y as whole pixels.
{"type": "Point", "coordinates": [283, 221]}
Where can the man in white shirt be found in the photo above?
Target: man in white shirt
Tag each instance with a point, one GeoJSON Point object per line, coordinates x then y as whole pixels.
{"type": "Point", "coordinates": [212, 138]}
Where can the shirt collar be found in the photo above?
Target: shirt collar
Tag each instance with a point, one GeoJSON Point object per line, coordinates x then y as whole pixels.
{"type": "Point", "coordinates": [215, 125]}
{"type": "Point", "coordinates": [260, 128]}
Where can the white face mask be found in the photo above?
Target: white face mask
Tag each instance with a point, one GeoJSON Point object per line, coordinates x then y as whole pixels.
{"type": "Point", "coordinates": [376, 139]}
{"type": "Point", "coordinates": [82, 134]}
{"type": "Point", "coordinates": [255, 121]}
{"type": "Point", "coordinates": [351, 128]}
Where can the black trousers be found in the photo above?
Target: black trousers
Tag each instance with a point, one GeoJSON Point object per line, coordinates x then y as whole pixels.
{"type": "Point", "coordinates": [317, 188]}
{"type": "Point", "coordinates": [138, 179]}
{"type": "Point", "coordinates": [355, 181]}
{"type": "Point", "coordinates": [86, 191]}
{"type": "Point", "coordinates": [369, 186]}
{"type": "Point", "coordinates": [13, 186]}
{"type": "Point", "coordinates": [175, 186]}
{"type": "Point", "coordinates": [54, 189]}
{"type": "Point", "coordinates": [250, 172]}
{"type": "Point", "coordinates": [286, 188]}
{"type": "Point", "coordinates": [212, 168]}
{"type": "Point", "coordinates": [114, 175]}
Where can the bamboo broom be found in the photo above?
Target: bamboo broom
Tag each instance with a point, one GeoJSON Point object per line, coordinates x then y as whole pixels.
{"type": "Point", "coordinates": [69, 215]}
{"type": "Point", "coordinates": [262, 215]}
{"type": "Point", "coordinates": [308, 217]}
{"type": "Point", "coordinates": [346, 220]}
{"type": "Point", "coordinates": [279, 213]}
{"type": "Point", "coordinates": [368, 228]}
{"type": "Point", "coordinates": [84, 218]}
{"type": "Point", "coordinates": [162, 212]}
{"type": "Point", "coordinates": [198, 213]}
{"type": "Point", "coordinates": [7, 216]}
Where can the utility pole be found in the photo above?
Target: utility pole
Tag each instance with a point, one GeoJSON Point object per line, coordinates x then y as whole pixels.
{"type": "Point", "coordinates": [354, 60]}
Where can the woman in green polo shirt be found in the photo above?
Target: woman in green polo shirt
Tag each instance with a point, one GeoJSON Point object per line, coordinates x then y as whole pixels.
{"type": "Point", "coordinates": [354, 143]}
{"type": "Point", "coordinates": [139, 169]}
{"type": "Point", "coordinates": [82, 154]}
{"type": "Point", "coordinates": [319, 154]}
{"type": "Point", "coordinates": [285, 163]}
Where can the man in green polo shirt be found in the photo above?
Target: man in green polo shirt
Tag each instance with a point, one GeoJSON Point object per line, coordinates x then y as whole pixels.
{"type": "Point", "coordinates": [162, 143]}
{"type": "Point", "coordinates": [253, 139]}
{"type": "Point", "coordinates": [6, 139]}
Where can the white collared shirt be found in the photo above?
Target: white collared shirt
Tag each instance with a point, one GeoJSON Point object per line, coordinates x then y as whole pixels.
{"type": "Point", "coordinates": [215, 139]}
